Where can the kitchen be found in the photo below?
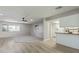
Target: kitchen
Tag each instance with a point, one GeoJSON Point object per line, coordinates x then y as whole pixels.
{"type": "Point", "coordinates": [70, 36]}
{"type": "Point", "coordinates": [66, 29]}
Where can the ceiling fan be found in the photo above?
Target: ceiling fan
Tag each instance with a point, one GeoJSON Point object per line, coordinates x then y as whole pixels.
{"type": "Point", "coordinates": [23, 19]}
{"type": "Point", "coordinates": [26, 19]}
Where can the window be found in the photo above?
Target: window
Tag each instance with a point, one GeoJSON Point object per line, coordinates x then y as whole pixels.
{"type": "Point", "coordinates": [13, 28]}
{"type": "Point", "coordinates": [10, 28]}
{"type": "Point", "coordinates": [4, 27]}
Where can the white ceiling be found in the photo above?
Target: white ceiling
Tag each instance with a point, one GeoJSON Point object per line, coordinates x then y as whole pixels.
{"type": "Point", "coordinates": [15, 13]}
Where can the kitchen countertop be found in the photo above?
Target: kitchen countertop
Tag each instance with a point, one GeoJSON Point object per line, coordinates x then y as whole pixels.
{"type": "Point", "coordinates": [67, 33]}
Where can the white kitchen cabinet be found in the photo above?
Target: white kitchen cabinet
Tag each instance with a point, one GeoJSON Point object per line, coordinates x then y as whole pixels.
{"type": "Point", "coordinates": [70, 21]}
{"type": "Point", "coordinates": [70, 40]}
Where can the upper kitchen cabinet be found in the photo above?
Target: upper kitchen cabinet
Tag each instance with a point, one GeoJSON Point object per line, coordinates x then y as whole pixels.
{"type": "Point", "coordinates": [70, 21]}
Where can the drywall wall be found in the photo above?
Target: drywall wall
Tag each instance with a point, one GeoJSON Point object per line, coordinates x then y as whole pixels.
{"type": "Point", "coordinates": [38, 30]}
{"type": "Point", "coordinates": [24, 29]}
{"type": "Point", "coordinates": [70, 21]}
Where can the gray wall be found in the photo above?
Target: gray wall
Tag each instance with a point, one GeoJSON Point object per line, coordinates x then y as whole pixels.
{"type": "Point", "coordinates": [70, 21]}
{"type": "Point", "coordinates": [37, 32]}
{"type": "Point", "coordinates": [24, 29]}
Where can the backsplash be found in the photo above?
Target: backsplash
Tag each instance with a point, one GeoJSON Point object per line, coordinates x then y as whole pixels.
{"type": "Point", "coordinates": [71, 29]}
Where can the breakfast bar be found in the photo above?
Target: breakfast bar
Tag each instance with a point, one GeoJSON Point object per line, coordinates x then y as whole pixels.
{"type": "Point", "coordinates": [67, 39]}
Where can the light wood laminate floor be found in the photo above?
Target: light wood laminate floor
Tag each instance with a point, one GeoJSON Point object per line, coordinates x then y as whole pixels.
{"type": "Point", "coordinates": [11, 46]}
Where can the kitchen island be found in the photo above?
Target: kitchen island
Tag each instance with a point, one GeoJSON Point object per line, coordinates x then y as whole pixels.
{"type": "Point", "coordinates": [69, 40]}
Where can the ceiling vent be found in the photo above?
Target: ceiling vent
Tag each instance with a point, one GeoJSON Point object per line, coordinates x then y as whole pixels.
{"type": "Point", "coordinates": [59, 7]}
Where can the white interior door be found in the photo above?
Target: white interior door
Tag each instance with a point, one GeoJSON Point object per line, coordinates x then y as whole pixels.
{"type": "Point", "coordinates": [53, 29]}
